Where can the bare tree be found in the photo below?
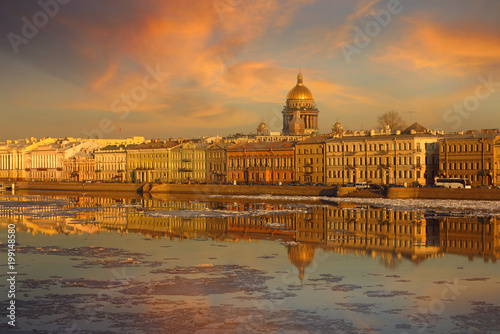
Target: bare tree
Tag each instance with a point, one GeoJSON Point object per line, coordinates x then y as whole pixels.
{"type": "Point", "coordinates": [392, 119]}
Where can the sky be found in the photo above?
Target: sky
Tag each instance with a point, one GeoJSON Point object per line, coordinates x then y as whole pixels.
{"type": "Point", "coordinates": [170, 69]}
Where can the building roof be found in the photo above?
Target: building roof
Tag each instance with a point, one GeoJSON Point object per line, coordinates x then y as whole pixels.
{"type": "Point", "coordinates": [384, 137]}
{"type": "Point", "coordinates": [220, 145]}
{"type": "Point", "coordinates": [154, 145]}
{"type": "Point", "coordinates": [314, 140]}
{"type": "Point", "coordinates": [82, 154]}
{"type": "Point", "coordinates": [415, 127]}
{"type": "Point", "coordinates": [113, 148]}
{"type": "Point", "coordinates": [471, 135]}
{"type": "Point", "coordinates": [263, 146]}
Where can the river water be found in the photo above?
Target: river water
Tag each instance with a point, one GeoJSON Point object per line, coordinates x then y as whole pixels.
{"type": "Point", "coordinates": [212, 264]}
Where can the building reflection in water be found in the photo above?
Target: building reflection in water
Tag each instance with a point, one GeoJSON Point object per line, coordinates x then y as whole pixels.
{"type": "Point", "coordinates": [391, 236]}
{"type": "Point", "coordinates": [301, 256]}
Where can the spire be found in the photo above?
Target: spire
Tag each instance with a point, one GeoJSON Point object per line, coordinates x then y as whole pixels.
{"type": "Point", "coordinates": [299, 80]}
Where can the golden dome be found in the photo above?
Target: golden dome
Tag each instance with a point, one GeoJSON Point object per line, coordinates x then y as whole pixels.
{"type": "Point", "coordinates": [262, 126]}
{"type": "Point", "coordinates": [337, 127]}
{"type": "Point", "coordinates": [299, 92]}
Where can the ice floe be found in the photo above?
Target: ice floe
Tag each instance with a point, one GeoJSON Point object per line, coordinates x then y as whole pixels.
{"type": "Point", "coordinates": [461, 207]}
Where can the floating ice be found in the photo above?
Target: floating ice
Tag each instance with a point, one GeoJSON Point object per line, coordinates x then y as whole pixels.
{"type": "Point", "coordinates": [475, 208]}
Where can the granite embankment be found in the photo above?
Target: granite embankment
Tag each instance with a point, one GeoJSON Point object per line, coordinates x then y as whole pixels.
{"type": "Point", "coordinates": [196, 189]}
{"type": "Point", "coordinates": [444, 193]}
{"type": "Point", "coordinates": [214, 189]}
{"type": "Point", "coordinates": [83, 186]}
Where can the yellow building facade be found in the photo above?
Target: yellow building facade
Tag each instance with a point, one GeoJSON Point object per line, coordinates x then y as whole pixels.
{"type": "Point", "coordinates": [151, 162]}
{"type": "Point", "coordinates": [189, 163]}
{"type": "Point", "coordinates": [111, 163]}
{"type": "Point", "coordinates": [474, 156]}
{"type": "Point", "coordinates": [384, 157]}
{"type": "Point", "coordinates": [310, 160]}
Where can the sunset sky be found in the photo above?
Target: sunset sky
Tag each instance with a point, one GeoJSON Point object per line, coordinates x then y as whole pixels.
{"type": "Point", "coordinates": [163, 69]}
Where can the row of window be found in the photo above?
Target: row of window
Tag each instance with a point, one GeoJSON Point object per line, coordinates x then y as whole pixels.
{"type": "Point", "coordinates": [373, 214]}
{"type": "Point", "coordinates": [215, 155]}
{"type": "Point", "coordinates": [373, 174]}
{"type": "Point", "coordinates": [216, 167]}
{"type": "Point", "coordinates": [116, 166]}
{"type": "Point", "coordinates": [471, 177]}
{"type": "Point", "coordinates": [400, 146]}
{"type": "Point", "coordinates": [112, 158]}
{"type": "Point", "coordinates": [458, 226]}
{"type": "Point", "coordinates": [372, 161]}
{"type": "Point", "coordinates": [245, 162]}
{"type": "Point", "coordinates": [374, 241]}
{"type": "Point", "coordinates": [175, 155]}
{"type": "Point", "coordinates": [467, 244]}
{"type": "Point", "coordinates": [453, 148]}
{"type": "Point", "coordinates": [195, 175]}
{"type": "Point", "coordinates": [261, 177]}
{"type": "Point", "coordinates": [317, 150]}
{"type": "Point", "coordinates": [464, 165]}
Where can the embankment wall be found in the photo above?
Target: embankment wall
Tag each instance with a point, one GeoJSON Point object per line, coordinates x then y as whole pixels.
{"type": "Point", "coordinates": [214, 189]}
{"type": "Point", "coordinates": [81, 186]}
{"type": "Point", "coordinates": [444, 193]}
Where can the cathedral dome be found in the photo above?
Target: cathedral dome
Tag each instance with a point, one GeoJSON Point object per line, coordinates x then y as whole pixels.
{"type": "Point", "coordinates": [299, 92]}
{"type": "Point", "coordinates": [337, 128]}
{"type": "Point", "coordinates": [262, 128]}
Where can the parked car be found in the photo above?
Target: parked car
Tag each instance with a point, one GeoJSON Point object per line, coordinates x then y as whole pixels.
{"type": "Point", "coordinates": [361, 185]}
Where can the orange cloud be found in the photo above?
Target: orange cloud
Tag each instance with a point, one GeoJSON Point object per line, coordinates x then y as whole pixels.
{"type": "Point", "coordinates": [105, 77]}
{"type": "Point", "coordinates": [464, 48]}
{"type": "Point", "coordinates": [197, 45]}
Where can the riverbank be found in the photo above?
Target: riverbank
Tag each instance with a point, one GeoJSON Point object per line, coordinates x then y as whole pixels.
{"type": "Point", "coordinates": [83, 186]}
{"type": "Point", "coordinates": [215, 189]}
